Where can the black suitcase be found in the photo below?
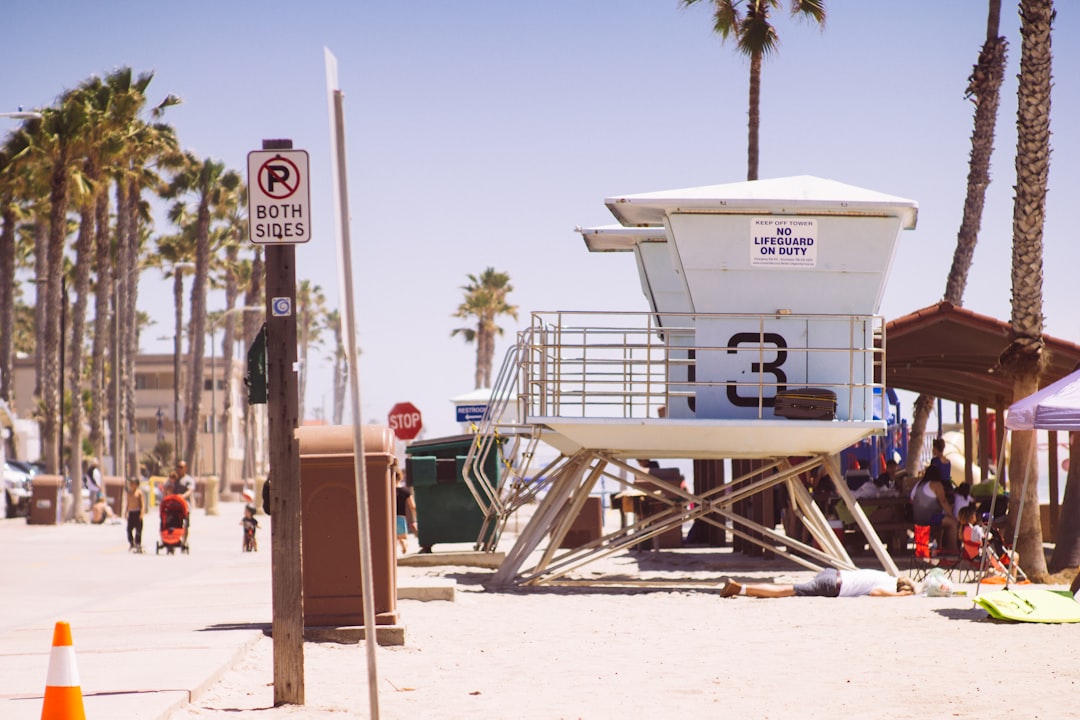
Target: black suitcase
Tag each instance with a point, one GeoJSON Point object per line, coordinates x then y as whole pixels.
{"type": "Point", "coordinates": [806, 404]}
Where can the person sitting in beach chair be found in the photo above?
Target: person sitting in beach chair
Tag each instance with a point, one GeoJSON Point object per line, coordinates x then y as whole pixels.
{"type": "Point", "coordinates": [972, 536]}
{"type": "Point", "coordinates": [830, 582]}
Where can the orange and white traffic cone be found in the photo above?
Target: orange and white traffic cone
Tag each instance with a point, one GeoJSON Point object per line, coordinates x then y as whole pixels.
{"type": "Point", "coordinates": [63, 695]}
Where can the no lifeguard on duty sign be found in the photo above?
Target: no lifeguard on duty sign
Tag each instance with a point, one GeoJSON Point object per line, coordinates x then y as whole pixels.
{"type": "Point", "coordinates": [279, 197]}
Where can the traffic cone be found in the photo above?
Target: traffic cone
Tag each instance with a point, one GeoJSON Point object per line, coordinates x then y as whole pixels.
{"type": "Point", "coordinates": [63, 695]}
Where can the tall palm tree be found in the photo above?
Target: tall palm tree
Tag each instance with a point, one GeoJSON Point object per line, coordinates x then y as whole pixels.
{"type": "Point", "coordinates": [310, 320]}
{"type": "Point", "coordinates": [485, 300]}
{"type": "Point", "coordinates": [234, 234]}
{"type": "Point", "coordinates": [174, 254]}
{"type": "Point", "coordinates": [984, 89]}
{"type": "Point", "coordinates": [1025, 357]}
{"type": "Point", "coordinates": [755, 37]}
{"type": "Point", "coordinates": [11, 187]}
{"type": "Point", "coordinates": [254, 295]}
{"type": "Point", "coordinates": [58, 138]}
{"type": "Point", "coordinates": [341, 368]}
{"type": "Point", "coordinates": [209, 182]}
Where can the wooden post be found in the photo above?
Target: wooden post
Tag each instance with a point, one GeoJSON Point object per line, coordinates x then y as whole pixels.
{"type": "Point", "coordinates": [285, 526]}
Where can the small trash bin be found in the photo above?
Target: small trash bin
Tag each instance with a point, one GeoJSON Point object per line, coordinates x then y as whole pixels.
{"type": "Point", "coordinates": [114, 493]}
{"type": "Point", "coordinates": [330, 551]}
{"type": "Point", "coordinates": [587, 526]}
{"type": "Point", "coordinates": [446, 510]}
{"type": "Point", "coordinates": [46, 500]}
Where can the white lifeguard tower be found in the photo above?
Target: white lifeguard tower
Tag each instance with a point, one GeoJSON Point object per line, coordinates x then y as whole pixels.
{"type": "Point", "coordinates": [755, 288]}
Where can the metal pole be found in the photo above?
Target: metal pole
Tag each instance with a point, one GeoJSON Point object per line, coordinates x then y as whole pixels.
{"type": "Point", "coordinates": [341, 204]}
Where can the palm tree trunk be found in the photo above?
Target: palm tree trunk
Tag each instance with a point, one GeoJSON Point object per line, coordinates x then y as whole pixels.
{"type": "Point", "coordinates": [197, 331]}
{"type": "Point", "coordinates": [480, 339]}
{"type": "Point", "coordinates": [1025, 357]}
{"type": "Point", "coordinates": [228, 343]}
{"type": "Point", "coordinates": [41, 272]}
{"type": "Point", "coordinates": [102, 267]}
{"type": "Point", "coordinates": [7, 297]}
{"type": "Point", "coordinates": [130, 280]}
{"type": "Point", "coordinates": [84, 247]}
{"type": "Point", "coordinates": [923, 405]}
{"type": "Point", "coordinates": [118, 351]}
{"type": "Point", "coordinates": [178, 385]}
{"type": "Point", "coordinates": [755, 117]}
{"type": "Point", "coordinates": [253, 295]}
{"type": "Point", "coordinates": [984, 86]}
{"type": "Point", "coordinates": [50, 391]}
{"type": "Point", "coordinates": [1067, 546]}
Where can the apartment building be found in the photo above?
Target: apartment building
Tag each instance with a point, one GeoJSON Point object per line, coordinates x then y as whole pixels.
{"type": "Point", "coordinates": [157, 410]}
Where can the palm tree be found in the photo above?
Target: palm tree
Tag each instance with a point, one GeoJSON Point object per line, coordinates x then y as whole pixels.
{"type": "Point", "coordinates": [11, 188]}
{"type": "Point", "coordinates": [485, 300]}
{"type": "Point", "coordinates": [984, 89]}
{"type": "Point", "coordinates": [310, 319]}
{"type": "Point", "coordinates": [58, 139]}
{"type": "Point", "coordinates": [209, 182]}
{"type": "Point", "coordinates": [234, 234]}
{"type": "Point", "coordinates": [341, 368]}
{"type": "Point", "coordinates": [254, 295]}
{"type": "Point", "coordinates": [1025, 357]}
{"type": "Point", "coordinates": [755, 37]}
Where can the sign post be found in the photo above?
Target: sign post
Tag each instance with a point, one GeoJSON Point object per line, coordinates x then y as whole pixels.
{"type": "Point", "coordinates": [405, 421]}
{"type": "Point", "coordinates": [277, 191]}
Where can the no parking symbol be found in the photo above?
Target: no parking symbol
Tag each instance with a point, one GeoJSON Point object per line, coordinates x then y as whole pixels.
{"type": "Point", "coordinates": [279, 197]}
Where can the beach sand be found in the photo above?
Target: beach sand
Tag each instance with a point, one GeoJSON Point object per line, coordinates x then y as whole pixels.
{"type": "Point", "coordinates": [580, 652]}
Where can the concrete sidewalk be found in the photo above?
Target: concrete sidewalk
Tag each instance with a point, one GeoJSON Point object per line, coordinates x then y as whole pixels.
{"type": "Point", "coordinates": [149, 631]}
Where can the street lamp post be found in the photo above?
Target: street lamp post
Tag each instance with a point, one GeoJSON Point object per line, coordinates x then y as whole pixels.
{"type": "Point", "coordinates": [213, 381]}
{"type": "Point", "coordinates": [21, 114]}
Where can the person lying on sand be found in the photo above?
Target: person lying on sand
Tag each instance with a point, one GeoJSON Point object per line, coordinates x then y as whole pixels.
{"type": "Point", "coordinates": [830, 582]}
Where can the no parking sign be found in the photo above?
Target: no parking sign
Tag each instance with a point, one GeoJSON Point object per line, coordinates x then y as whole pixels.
{"type": "Point", "coordinates": [279, 197]}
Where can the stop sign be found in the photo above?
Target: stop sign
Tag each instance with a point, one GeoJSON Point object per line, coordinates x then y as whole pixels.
{"type": "Point", "coordinates": [405, 421]}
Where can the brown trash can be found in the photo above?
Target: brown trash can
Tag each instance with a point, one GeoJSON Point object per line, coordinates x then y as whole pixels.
{"type": "Point", "coordinates": [46, 500]}
{"type": "Point", "coordinates": [330, 550]}
{"type": "Point", "coordinates": [588, 525]}
{"type": "Point", "coordinates": [114, 493]}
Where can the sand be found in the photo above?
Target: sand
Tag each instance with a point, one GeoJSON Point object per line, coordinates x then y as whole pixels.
{"type": "Point", "coordinates": [549, 653]}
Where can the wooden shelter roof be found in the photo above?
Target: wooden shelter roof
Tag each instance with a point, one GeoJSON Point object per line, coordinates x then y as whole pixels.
{"type": "Point", "coordinates": [952, 353]}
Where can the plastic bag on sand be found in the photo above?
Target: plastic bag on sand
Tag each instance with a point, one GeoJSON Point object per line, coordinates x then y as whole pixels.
{"type": "Point", "coordinates": [938, 584]}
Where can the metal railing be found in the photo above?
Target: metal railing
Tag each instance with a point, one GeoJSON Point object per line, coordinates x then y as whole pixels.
{"type": "Point", "coordinates": [631, 365]}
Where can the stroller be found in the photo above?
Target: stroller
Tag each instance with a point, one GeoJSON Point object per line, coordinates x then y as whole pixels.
{"type": "Point", "coordinates": [174, 524]}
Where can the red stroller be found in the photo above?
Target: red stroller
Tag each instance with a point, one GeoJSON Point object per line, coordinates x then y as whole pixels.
{"type": "Point", "coordinates": [174, 524]}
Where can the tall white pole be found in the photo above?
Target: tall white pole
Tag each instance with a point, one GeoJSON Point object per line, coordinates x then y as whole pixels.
{"type": "Point", "coordinates": [341, 205]}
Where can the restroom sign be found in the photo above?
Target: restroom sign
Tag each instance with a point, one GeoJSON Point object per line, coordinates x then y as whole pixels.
{"type": "Point", "coordinates": [783, 242]}
{"type": "Point", "coordinates": [279, 197]}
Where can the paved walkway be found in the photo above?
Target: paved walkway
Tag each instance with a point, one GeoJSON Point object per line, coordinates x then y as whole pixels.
{"type": "Point", "coordinates": [149, 631]}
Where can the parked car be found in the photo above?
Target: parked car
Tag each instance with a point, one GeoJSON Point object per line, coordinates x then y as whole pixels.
{"type": "Point", "coordinates": [17, 490]}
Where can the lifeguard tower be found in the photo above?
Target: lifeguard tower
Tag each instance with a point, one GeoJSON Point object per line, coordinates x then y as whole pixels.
{"type": "Point", "coordinates": [755, 288]}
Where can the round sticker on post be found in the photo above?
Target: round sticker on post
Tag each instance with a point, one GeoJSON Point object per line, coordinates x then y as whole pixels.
{"type": "Point", "coordinates": [281, 307]}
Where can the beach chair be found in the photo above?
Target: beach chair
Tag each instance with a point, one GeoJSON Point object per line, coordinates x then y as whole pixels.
{"type": "Point", "coordinates": [925, 556]}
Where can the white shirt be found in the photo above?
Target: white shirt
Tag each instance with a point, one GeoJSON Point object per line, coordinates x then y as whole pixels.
{"type": "Point", "coordinates": [854, 583]}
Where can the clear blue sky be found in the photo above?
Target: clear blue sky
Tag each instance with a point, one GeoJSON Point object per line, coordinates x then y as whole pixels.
{"type": "Point", "coordinates": [481, 133]}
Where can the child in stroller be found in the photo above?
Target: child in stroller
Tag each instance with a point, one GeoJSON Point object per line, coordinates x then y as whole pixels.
{"type": "Point", "coordinates": [250, 526]}
{"type": "Point", "coordinates": [174, 524]}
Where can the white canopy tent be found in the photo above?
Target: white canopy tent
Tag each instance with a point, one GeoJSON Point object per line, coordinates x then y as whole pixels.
{"type": "Point", "coordinates": [1055, 407]}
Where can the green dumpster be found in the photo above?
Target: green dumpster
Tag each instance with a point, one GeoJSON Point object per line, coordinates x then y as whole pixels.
{"type": "Point", "coordinates": [446, 511]}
